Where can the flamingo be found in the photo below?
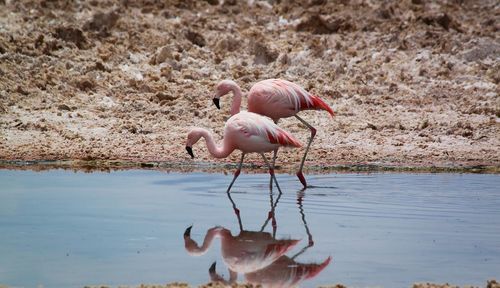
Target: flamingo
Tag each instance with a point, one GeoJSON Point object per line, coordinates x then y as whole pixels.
{"type": "Point", "coordinates": [259, 255]}
{"type": "Point", "coordinates": [246, 252]}
{"type": "Point", "coordinates": [283, 272]}
{"type": "Point", "coordinates": [276, 99]}
{"type": "Point", "coordinates": [248, 132]}
{"type": "Point", "coordinates": [249, 253]}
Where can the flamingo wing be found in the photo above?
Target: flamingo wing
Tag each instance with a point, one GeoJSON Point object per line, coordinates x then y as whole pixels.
{"type": "Point", "coordinates": [252, 124]}
{"type": "Point", "coordinates": [289, 94]}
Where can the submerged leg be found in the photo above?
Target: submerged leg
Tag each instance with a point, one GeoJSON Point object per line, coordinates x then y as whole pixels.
{"type": "Point", "coordinates": [237, 172]}
{"type": "Point", "coordinates": [271, 171]}
{"type": "Point", "coordinates": [236, 210]}
{"type": "Point", "coordinates": [313, 133]}
{"type": "Point", "coordinates": [274, 166]}
{"type": "Point", "coordinates": [271, 215]}
{"type": "Point", "coordinates": [300, 197]}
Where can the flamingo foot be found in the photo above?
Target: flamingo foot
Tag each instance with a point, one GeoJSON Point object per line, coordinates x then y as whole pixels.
{"type": "Point", "coordinates": [302, 179]}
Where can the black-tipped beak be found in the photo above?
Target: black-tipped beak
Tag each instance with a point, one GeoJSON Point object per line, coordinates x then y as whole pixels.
{"type": "Point", "coordinates": [212, 268]}
{"type": "Point", "coordinates": [216, 102]}
{"type": "Point", "coordinates": [190, 151]}
{"type": "Point", "coordinates": [187, 233]}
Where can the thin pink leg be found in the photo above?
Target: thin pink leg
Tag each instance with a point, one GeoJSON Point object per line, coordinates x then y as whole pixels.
{"type": "Point", "coordinates": [237, 172]}
{"type": "Point", "coordinates": [275, 154]}
{"type": "Point", "coordinates": [300, 175]}
{"type": "Point", "coordinates": [271, 171]}
{"type": "Point", "coordinates": [273, 166]}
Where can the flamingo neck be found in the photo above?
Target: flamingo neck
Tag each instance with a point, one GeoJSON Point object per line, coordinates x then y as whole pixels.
{"type": "Point", "coordinates": [193, 248]}
{"type": "Point", "coordinates": [237, 95]}
{"type": "Point", "coordinates": [215, 150]}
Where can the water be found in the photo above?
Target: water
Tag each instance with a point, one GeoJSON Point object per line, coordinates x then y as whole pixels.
{"type": "Point", "coordinates": [66, 229]}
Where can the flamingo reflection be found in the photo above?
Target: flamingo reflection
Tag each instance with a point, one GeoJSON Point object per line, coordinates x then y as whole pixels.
{"type": "Point", "coordinates": [259, 255]}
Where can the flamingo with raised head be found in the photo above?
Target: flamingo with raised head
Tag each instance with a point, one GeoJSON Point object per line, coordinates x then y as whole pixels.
{"type": "Point", "coordinates": [276, 99]}
{"type": "Point", "coordinates": [248, 132]}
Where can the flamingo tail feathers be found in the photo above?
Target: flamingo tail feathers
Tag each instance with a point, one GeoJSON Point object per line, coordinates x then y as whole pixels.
{"type": "Point", "coordinates": [321, 105]}
{"type": "Point", "coordinates": [315, 269]}
{"type": "Point", "coordinates": [281, 247]}
{"type": "Point", "coordinates": [283, 138]}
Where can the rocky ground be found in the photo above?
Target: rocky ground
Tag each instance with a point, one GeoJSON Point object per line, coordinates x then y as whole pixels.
{"type": "Point", "coordinates": [412, 82]}
{"type": "Point", "coordinates": [489, 284]}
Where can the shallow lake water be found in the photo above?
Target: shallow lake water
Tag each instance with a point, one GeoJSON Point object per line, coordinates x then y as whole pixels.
{"type": "Point", "coordinates": [67, 229]}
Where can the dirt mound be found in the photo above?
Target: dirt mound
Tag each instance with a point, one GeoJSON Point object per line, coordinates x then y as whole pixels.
{"type": "Point", "coordinates": [411, 82]}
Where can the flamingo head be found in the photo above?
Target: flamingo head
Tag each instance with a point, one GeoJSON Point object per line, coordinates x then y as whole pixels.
{"type": "Point", "coordinates": [193, 137]}
{"type": "Point", "coordinates": [223, 88]}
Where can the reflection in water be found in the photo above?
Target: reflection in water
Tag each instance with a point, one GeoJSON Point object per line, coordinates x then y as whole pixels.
{"type": "Point", "coordinates": [259, 255]}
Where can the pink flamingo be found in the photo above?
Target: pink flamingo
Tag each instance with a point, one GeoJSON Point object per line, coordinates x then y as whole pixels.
{"type": "Point", "coordinates": [282, 273]}
{"type": "Point", "coordinates": [248, 132]}
{"type": "Point", "coordinates": [246, 252]}
{"type": "Point", "coordinates": [276, 99]}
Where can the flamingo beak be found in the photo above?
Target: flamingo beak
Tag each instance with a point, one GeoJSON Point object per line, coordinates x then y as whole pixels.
{"type": "Point", "coordinates": [216, 102]}
{"type": "Point", "coordinates": [190, 151]}
{"type": "Point", "coordinates": [212, 268]}
{"type": "Point", "coordinates": [187, 233]}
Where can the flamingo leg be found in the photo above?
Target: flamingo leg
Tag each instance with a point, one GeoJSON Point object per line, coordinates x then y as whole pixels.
{"type": "Point", "coordinates": [271, 215]}
{"type": "Point", "coordinates": [271, 171]}
{"type": "Point", "coordinates": [236, 210]}
{"type": "Point", "coordinates": [313, 133]}
{"type": "Point", "coordinates": [237, 172]}
{"type": "Point", "coordinates": [275, 154]}
{"type": "Point", "coordinates": [300, 198]}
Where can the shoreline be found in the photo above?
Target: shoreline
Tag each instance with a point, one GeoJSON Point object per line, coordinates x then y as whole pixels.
{"type": "Point", "coordinates": [489, 284]}
{"type": "Point", "coordinates": [213, 167]}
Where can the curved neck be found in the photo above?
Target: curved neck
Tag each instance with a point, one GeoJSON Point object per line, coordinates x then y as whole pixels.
{"type": "Point", "coordinates": [237, 95]}
{"type": "Point", "coordinates": [194, 249]}
{"type": "Point", "coordinates": [214, 149]}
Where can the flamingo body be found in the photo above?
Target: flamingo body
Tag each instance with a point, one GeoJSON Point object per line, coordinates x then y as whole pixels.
{"type": "Point", "coordinates": [285, 272]}
{"type": "Point", "coordinates": [244, 253]}
{"type": "Point", "coordinates": [247, 132]}
{"type": "Point", "coordinates": [277, 98]}
{"type": "Point", "coordinates": [250, 132]}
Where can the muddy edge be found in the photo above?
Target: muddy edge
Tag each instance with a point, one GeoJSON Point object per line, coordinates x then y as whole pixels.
{"type": "Point", "coordinates": [489, 284]}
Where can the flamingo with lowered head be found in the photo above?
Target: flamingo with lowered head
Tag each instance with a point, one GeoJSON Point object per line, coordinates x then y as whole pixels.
{"type": "Point", "coordinates": [246, 252]}
{"type": "Point", "coordinates": [276, 99]}
{"type": "Point", "coordinates": [248, 132]}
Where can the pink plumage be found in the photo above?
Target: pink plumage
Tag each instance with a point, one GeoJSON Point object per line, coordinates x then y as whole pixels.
{"type": "Point", "coordinates": [247, 132]}
{"type": "Point", "coordinates": [261, 134]}
{"type": "Point", "coordinates": [319, 104]}
{"type": "Point", "coordinates": [276, 99]}
{"type": "Point", "coordinates": [247, 252]}
{"type": "Point", "coordinates": [283, 138]}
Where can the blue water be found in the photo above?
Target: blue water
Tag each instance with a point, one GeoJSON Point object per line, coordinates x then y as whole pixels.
{"type": "Point", "coordinates": [67, 229]}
